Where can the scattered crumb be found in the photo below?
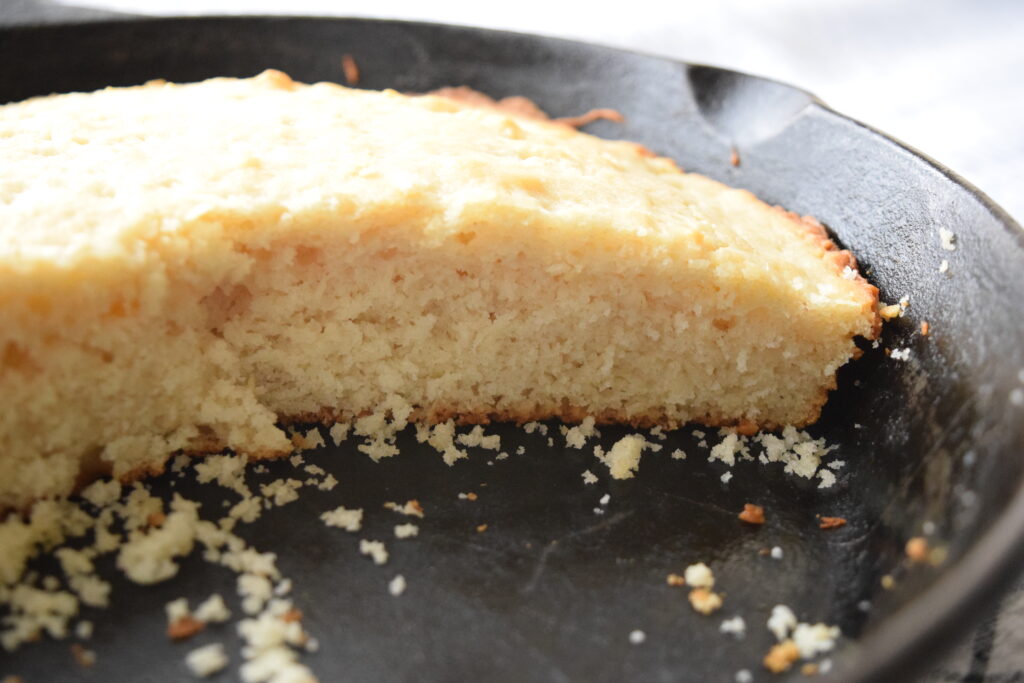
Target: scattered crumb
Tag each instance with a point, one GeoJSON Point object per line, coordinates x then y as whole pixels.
{"type": "Point", "coordinates": [589, 477]}
{"type": "Point", "coordinates": [468, 496]}
{"type": "Point", "coordinates": [744, 676]}
{"type": "Point", "coordinates": [900, 354]}
{"type": "Point", "coordinates": [917, 549]}
{"type": "Point", "coordinates": [831, 522]}
{"type": "Point", "coordinates": [734, 157]}
{"type": "Point", "coordinates": [781, 622]}
{"type": "Point", "coordinates": [184, 628]}
{"type": "Point", "coordinates": [888, 583]}
{"type": "Point", "coordinates": [375, 549]}
{"type": "Point", "coordinates": [814, 639]}
{"type": "Point", "coordinates": [752, 514]}
{"type": "Point", "coordinates": [343, 518]}
{"type": "Point", "coordinates": [83, 630]}
{"type": "Point", "coordinates": [636, 637]}
{"type": "Point", "coordinates": [828, 479]}
{"type": "Point", "coordinates": [206, 660]}
{"type": "Point", "coordinates": [944, 266]}
{"type": "Point", "coordinates": [809, 669]}
{"type": "Point", "coordinates": [678, 454]}
{"type": "Point", "coordinates": [292, 615]}
{"type": "Point", "coordinates": [776, 553]}
{"type": "Point", "coordinates": [675, 580]}
{"type": "Point", "coordinates": [948, 239]}
{"type": "Point", "coordinates": [576, 437]}
{"type": "Point", "coordinates": [705, 601]}
{"type": "Point", "coordinates": [781, 657]}
{"type": "Point", "coordinates": [699, 576]}
{"type": "Point", "coordinates": [726, 477]}
{"type": "Point", "coordinates": [350, 69]}
{"type": "Point", "coordinates": [213, 610]}
{"type": "Point", "coordinates": [605, 499]}
{"type": "Point", "coordinates": [623, 460]}
{"type": "Point", "coordinates": [890, 312]}
{"type": "Point", "coordinates": [925, 328]}
{"type": "Point", "coordinates": [481, 528]}
{"type": "Point", "coordinates": [339, 432]}
{"type": "Point", "coordinates": [397, 585]}
{"type": "Point", "coordinates": [736, 627]}
{"type": "Point", "coordinates": [406, 530]}
{"type": "Point", "coordinates": [412, 508]}
{"type": "Point", "coordinates": [1017, 397]}
{"type": "Point", "coordinates": [938, 555]}
{"type": "Point", "coordinates": [83, 657]}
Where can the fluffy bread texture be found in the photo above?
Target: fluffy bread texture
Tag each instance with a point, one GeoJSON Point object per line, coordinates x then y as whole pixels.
{"type": "Point", "coordinates": [184, 266]}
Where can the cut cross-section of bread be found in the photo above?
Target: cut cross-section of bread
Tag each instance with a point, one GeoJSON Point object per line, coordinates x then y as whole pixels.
{"type": "Point", "coordinates": [184, 266]}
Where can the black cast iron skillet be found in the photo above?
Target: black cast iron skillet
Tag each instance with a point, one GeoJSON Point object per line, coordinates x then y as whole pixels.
{"type": "Point", "coordinates": [551, 590]}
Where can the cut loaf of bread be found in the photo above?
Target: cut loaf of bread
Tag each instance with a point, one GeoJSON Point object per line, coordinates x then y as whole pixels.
{"type": "Point", "coordinates": [184, 267]}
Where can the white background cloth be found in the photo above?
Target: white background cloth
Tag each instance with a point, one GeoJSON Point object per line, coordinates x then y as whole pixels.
{"type": "Point", "coordinates": [945, 76]}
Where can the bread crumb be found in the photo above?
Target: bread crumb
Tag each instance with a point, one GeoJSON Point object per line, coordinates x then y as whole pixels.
{"type": "Point", "coordinates": [744, 676]}
{"type": "Point", "coordinates": [705, 601]}
{"type": "Point", "coordinates": [888, 583]}
{"type": "Point", "coordinates": [481, 528]}
{"type": "Point", "coordinates": [947, 239]}
{"type": "Point", "coordinates": [397, 585]}
{"type": "Point", "coordinates": [814, 639]}
{"type": "Point", "coordinates": [699, 576]}
{"type": "Point", "coordinates": [83, 630]}
{"type": "Point", "coordinates": [890, 312]}
{"type": "Point", "coordinates": [206, 660]}
{"type": "Point", "coordinates": [339, 432]}
{"type": "Point", "coordinates": [291, 615]}
{"type": "Point", "coordinates": [576, 437]}
{"type": "Point", "coordinates": [917, 549]}
{"type": "Point", "coordinates": [726, 477]}
{"type": "Point", "coordinates": [282, 491]}
{"type": "Point", "coordinates": [675, 580]}
{"type": "Point", "coordinates": [831, 522]}
{"type": "Point", "coordinates": [605, 499]}
{"type": "Point", "coordinates": [776, 553]}
{"type": "Point", "coordinates": [925, 328]}
{"type": "Point", "coordinates": [623, 460]}
{"type": "Point", "coordinates": [828, 479]}
{"type": "Point", "coordinates": [944, 266]}
{"type": "Point", "coordinates": [343, 518]}
{"type": "Point", "coordinates": [752, 514]}
{"type": "Point", "coordinates": [213, 610]}
{"type": "Point", "coordinates": [809, 669]}
{"type": "Point", "coordinates": [589, 477]}
{"type": "Point", "coordinates": [736, 627]}
{"type": "Point", "coordinates": [734, 157]}
{"type": "Point", "coordinates": [781, 622]}
{"type": "Point", "coordinates": [350, 69]}
{"type": "Point", "coordinates": [636, 637]}
{"type": "Point", "coordinates": [374, 549]}
{"type": "Point", "coordinates": [406, 530]}
{"type": "Point", "coordinates": [467, 496]}
{"type": "Point", "coordinates": [83, 657]}
{"type": "Point", "coordinates": [184, 628]}
{"type": "Point", "coordinates": [678, 454]}
{"type": "Point", "coordinates": [781, 657]}
{"type": "Point", "coordinates": [411, 508]}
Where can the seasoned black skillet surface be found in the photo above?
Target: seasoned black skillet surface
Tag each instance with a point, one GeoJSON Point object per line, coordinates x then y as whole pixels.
{"type": "Point", "coordinates": [552, 589]}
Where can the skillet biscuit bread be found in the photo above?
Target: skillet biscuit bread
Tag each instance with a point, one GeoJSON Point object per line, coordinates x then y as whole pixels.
{"type": "Point", "coordinates": [185, 267]}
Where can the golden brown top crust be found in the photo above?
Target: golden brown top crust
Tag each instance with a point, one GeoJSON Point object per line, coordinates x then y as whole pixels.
{"type": "Point", "coordinates": [98, 179]}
